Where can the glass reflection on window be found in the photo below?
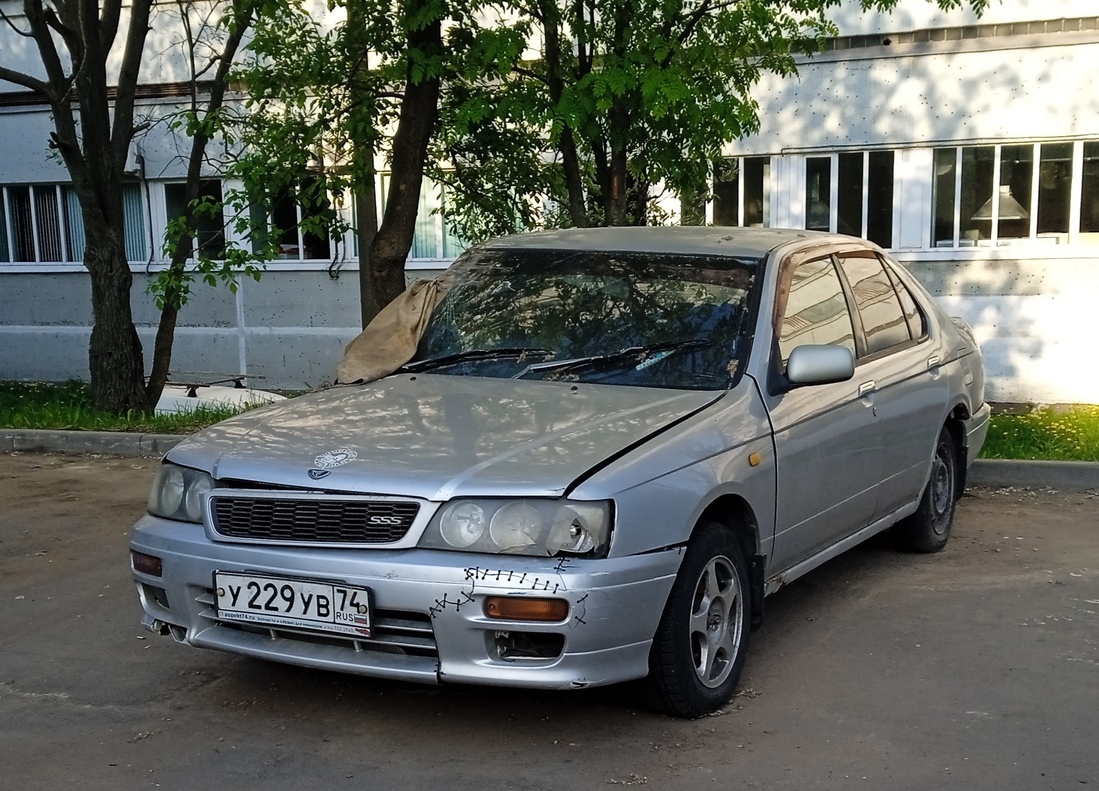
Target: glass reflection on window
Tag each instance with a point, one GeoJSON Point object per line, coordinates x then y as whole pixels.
{"type": "Point", "coordinates": [816, 310]}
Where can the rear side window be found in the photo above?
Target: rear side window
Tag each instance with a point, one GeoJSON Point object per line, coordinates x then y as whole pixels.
{"type": "Point", "coordinates": [883, 320]}
{"type": "Point", "coordinates": [816, 310]}
{"type": "Point", "coordinates": [917, 324]}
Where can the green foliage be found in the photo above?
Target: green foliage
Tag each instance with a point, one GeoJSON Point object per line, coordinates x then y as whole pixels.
{"type": "Point", "coordinates": [645, 92]}
{"type": "Point", "coordinates": [1070, 434]}
{"type": "Point", "coordinates": [36, 405]}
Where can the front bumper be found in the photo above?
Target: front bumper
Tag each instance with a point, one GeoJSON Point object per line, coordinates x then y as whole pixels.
{"type": "Point", "coordinates": [430, 624]}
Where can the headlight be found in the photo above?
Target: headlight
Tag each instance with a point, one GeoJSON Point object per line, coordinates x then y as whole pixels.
{"type": "Point", "coordinates": [177, 493]}
{"type": "Point", "coordinates": [542, 528]}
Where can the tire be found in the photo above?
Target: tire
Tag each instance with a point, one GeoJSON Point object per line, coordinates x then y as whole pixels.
{"type": "Point", "coordinates": [928, 529]}
{"type": "Point", "coordinates": [702, 640]}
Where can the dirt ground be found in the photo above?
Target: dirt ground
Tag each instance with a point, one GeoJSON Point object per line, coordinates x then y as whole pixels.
{"type": "Point", "coordinates": [977, 668]}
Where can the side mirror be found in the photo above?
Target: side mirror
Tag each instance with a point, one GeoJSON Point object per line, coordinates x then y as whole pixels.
{"type": "Point", "coordinates": [819, 364]}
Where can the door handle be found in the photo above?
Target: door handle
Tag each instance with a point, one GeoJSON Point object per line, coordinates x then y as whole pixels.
{"type": "Point", "coordinates": [867, 387]}
{"type": "Point", "coordinates": [933, 362]}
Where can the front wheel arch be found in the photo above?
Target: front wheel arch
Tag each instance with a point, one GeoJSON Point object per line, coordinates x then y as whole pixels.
{"type": "Point", "coordinates": [701, 642]}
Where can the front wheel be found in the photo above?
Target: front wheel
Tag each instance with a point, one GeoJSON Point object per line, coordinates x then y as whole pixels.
{"type": "Point", "coordinates": [928, 529]}
{"type": "Point", "coordinates": [702, 640]}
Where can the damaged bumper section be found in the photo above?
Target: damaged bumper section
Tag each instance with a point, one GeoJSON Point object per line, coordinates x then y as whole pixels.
{"type": "Point", "coordinates": [433, 616]}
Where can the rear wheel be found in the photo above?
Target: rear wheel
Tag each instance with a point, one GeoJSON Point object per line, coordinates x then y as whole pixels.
{"type": "Point", "coordinates": [702, 640]}
{"type": "Point", "coordinates": [928, 529]}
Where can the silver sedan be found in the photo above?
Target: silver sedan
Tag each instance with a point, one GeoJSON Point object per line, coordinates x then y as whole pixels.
{"type": "Point", "coordinates": [609, 447]}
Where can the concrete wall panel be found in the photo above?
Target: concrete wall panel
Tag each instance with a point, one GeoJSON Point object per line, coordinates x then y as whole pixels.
{"type": "Point", "coordinates": [46, 299]}
{"type": "Point", "coordinates": [873, 97]}
{"type": "Point", "coordinates": [296, 360]}
{"type": "Point", "coordinates": [307, 299]}
{"type": "Point", "coordinates": [42, 354]}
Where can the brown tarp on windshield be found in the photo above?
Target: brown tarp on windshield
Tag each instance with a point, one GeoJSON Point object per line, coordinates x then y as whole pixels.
{"type": "Point", "coordinates": [390, 340]}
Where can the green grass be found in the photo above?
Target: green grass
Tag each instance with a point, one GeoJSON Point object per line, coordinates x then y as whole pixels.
{"type": "Point", "coordinates": [1070, 434]}
{"type": "Point", "coordinates": [1062, 434]}
{"type": "Point", "coordinates": [68, 406]}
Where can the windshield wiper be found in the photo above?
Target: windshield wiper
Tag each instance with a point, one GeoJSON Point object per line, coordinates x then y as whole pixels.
{"type": "Point", "coordinates": [654, 352]}
{"type": "Point", "coordinates": [470, 355]}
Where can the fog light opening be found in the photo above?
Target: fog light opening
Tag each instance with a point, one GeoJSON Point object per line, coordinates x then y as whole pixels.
{"type": "Point", "coordinates": [512, 646]}
{"type": "Point", "coordinates": [157, 595]}
{"type": "Point", "coordinates": [147, 564]}
{"type": "Point", "coordinates": [524, 608]}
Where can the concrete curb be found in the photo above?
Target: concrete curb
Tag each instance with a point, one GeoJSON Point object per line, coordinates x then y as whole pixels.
{"type": "Point", "coordinates": [1076, 476]}
{"type": "Point", "coordinates": [1061, 475]}
{"type": "Point", "coordinates": [107, 443]}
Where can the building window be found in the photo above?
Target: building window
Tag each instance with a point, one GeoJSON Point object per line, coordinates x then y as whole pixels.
{"type": "Point", "coordinates": [818, 193]}
{"type": "Point", "coordinates": [299, 222]}
{"type": "Point", "coordinates": [861, 201]}
{"type": "Point", "coordinates": [991, 195]}
{"type": "Point", "coordinates": [1089, 189]}
{"type": "Point", "coordinates": [434, 239]}
{"type": "Point", "coordinates": [742, 192]}
{"type": "Point", "coordinates": [209, 222]}
{"type": "Point", "coordinates": [1054, 188]}
{"type": "Point", "coordinates": [879, 198]}
{"type": "Point", "coordinates": [42, 223]}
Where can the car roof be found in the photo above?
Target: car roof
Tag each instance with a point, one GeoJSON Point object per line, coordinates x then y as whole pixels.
{"type": "Point", "coordinates": [696, 240]}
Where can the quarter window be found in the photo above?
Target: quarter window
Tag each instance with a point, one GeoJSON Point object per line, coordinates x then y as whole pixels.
{"type": "Point", "coordinates": [883, 321]}
{"type": "Point", "coordinates": [917, 324]}
{"type": "Point", "coordinates": [816, 310]}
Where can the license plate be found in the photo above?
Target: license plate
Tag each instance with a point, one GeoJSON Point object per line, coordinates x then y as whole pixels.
{"type": "Point", "coordinates": [304, 604]}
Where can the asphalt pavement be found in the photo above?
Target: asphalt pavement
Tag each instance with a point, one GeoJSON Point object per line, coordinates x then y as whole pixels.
{"type": "Point", "coordinates": [977, 668]}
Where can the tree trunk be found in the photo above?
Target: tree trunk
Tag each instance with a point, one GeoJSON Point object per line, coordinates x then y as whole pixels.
{"type": "Point", "coordinates": [114, 351]}
{"type": "Point", "coordinates": [363, 118]}
{"type": "Point", "coordinates": [366, 218]}
{"type": "Point", "coordinates": [184, 246]}
{"type": "Point", "coordinates": [570, 160]}
{"type": "Point", "coordinates": [419, 115]}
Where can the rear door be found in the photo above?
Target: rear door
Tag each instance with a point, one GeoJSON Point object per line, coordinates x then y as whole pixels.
{"type": "Point", "coordinates": [896, 365]}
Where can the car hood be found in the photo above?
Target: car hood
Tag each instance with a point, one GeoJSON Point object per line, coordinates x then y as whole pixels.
{"type": "Point", "coordinates": [436, 437]}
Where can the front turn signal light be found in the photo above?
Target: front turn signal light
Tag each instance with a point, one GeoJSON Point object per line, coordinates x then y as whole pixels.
{"type": "Point", "coordinates": [523, 608]}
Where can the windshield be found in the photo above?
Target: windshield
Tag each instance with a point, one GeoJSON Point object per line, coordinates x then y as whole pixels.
{"type": "Point", "coordinates": [644, 319]}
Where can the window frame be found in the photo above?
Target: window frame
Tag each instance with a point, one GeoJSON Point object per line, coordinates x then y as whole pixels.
{"type": "Point", "coordinates": [865, 156]}
{"type": "Point", "coordinates": [196, 244]}
{"type": "Point", "coordinates": [63, 224]}
{"type": "Point", "coordinates": [768, 189]}
{"type": "Point", "coordinates": [1071, 236]}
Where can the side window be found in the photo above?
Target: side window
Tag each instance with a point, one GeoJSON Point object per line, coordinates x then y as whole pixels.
{"type": "Point", "coordinates": [883, 321]}
{"type": "Point", "coordinates": [917, 324]}
{"type": "Point", "coordinates": [816, 310]}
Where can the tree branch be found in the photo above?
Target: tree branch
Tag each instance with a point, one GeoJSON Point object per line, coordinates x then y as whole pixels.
{"type": "Point", "coordinates": [122, 128]}
{"type": "Point", "coordinates": [58, 81]}
{"type": "Point", "coordinates": [108, 22]}
{"type": "Point", "coordinates": [72, 41]}
{"type": "Point", "coordinates": [11, 23]}
{"type": "Point", "coordinates": [27, 81]}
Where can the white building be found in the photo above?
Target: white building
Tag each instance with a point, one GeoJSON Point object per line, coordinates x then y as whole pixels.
{"type": "Point", "coordinates": [968, 147]}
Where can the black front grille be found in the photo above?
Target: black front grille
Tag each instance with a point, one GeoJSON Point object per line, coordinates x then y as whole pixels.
{"type": "Point", "coordinates": [336, 521]}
